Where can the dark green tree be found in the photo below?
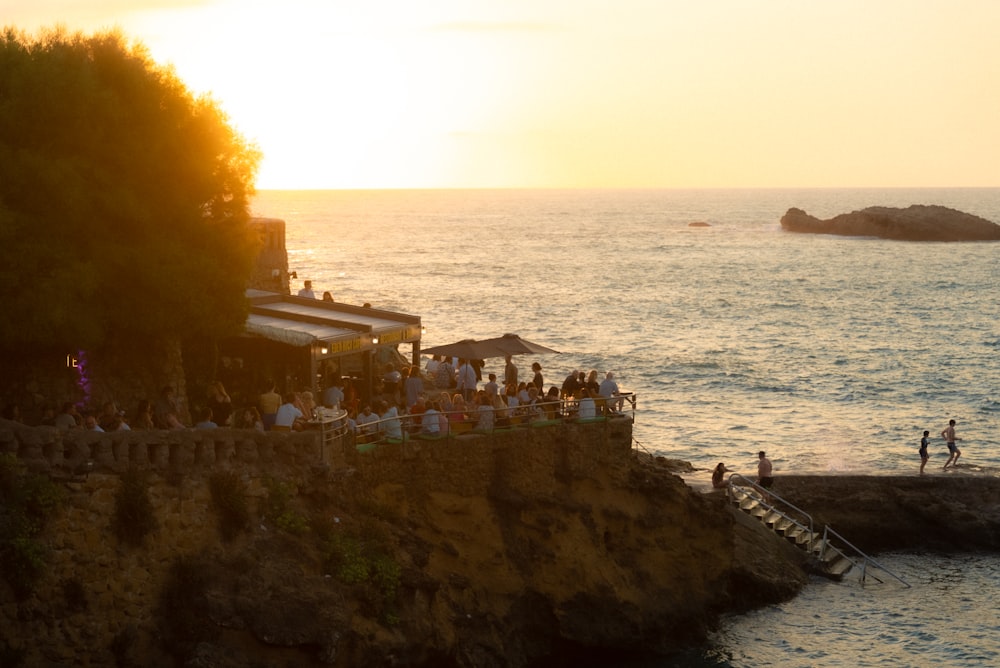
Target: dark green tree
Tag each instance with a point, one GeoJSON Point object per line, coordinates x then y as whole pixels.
{"type": "Point", "coordinates": [124, 198]}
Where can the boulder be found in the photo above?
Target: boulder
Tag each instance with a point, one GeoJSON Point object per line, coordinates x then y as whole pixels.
{"type": "Point", "coordinates": [914, 223]}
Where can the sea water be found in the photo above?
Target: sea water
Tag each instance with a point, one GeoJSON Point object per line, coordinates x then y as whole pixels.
{"type": "Point", "coordinates": [831, 353]}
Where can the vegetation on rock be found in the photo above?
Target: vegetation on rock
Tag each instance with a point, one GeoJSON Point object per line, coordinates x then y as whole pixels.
{"type": "Point", "coordinates": [27, 501]}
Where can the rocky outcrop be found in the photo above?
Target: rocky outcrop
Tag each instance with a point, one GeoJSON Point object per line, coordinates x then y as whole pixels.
{"type": "Point", "coordinates": [945, 513]}
{"type": "Point", "coordinates": [914, 223]}
{"type": "Point", "coordinates": [541, 546]}
{"type": "Point", "coordinates": [544, 546]}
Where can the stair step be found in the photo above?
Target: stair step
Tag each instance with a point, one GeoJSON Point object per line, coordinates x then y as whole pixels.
{"type": "Point", "coordinates": [772, 518]}
{"type": "Point", "coordinates": [782, 526]}
{"type": "Point", "coordinates": [839, 567]}
{"type": "Point", "coordinates": [749, 504]}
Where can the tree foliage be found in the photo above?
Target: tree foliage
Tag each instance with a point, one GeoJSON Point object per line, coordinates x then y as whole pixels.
{"type": "Point", "coordinates": [124, 198]}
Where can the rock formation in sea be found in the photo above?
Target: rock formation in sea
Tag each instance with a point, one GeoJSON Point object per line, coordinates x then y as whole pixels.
{"type": "Point", "coordinates": [914, 223]}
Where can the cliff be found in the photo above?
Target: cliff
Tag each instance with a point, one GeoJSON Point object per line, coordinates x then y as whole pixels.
{"type": "Point", "coordinates": [550, 546]}
{"type": "Point", "coordinates": [536, 546]}
{"type": "Point", "coordinates": [914, 223]}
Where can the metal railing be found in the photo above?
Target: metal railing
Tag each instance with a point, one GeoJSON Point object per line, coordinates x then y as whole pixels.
{"type": "Point", "coordinates": [766, 499]}
{"type": "Point", "coordinates": [486, 419]}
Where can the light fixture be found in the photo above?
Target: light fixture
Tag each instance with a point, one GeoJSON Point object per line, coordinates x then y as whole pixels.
{"type": "Point", "coordinates": [374, 340]}
{"type": "Point", "coordinates": [323, 349]}
{"type": "Point", "coordinates": [423, 330]}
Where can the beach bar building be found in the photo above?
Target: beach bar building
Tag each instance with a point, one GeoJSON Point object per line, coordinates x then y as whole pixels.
{"type": "Point", "coordinates": [304, 343]}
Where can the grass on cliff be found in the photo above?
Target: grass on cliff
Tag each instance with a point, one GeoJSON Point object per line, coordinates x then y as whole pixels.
{"type": "Point", "coordinates": [360, 555]}
{"type": "Point", "coordinates": [27, 502]}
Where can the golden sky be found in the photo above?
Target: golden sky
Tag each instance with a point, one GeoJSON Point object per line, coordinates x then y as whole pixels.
{"type": "Point", "coordinates": [581, 93]}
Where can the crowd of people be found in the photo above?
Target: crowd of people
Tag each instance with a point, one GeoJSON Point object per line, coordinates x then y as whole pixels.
{"type": "Point", "coordinates": [453, 394]}
{"type": "Point", "coordinates": [446, 395]}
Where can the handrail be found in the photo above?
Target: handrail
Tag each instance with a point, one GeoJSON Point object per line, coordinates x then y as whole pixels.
{"type": "Point", "coordinates": [768, 493]}
{"type": "Point", "coordinates": [382, 429]}
{"type": "Point", "coordinates": [827, 529]}
{"type": "Point", "coordinates": [830, 530]}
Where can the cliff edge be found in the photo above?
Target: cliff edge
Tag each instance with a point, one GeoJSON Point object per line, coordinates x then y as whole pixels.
{"type": "Point", "coordinates": [914, 223]}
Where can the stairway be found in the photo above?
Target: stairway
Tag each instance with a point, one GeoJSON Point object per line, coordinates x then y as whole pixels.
{"type": "Point", "coordinates": [827, 558]}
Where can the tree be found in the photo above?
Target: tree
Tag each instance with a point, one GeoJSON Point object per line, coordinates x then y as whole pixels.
{"type": "Point", "coordinates": [124, 199]}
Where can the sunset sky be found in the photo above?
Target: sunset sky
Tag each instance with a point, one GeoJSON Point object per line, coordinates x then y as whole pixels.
{"type": "Point", "coordinates": [580, 93]}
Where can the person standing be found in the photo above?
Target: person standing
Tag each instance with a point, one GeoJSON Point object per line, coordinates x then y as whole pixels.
{"type": "Point", "coordinates": [537, 379]}
{"type": "Point", "coordinates": [269, 402]}
{"type": "Point", "coordinates": [220, 403]}
{"type": "Point", "coordinates": [923, 451]}
{"type": "Point", "coordinates": [307, 290]}
{"type": "Point", "coordinates": [466, 380]}
{"type": "Point", "coordinates": [765, 477]}
{"type": "Point", "coordinates": [953, 452]}
{"type": "Point", "coordinates": [509, 372]}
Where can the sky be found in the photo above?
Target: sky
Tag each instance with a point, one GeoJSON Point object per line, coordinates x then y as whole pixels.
{"type": "Point", "coordinates": [581, 93]}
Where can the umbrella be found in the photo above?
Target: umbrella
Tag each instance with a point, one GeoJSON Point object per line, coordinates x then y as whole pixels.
{"type": "Point", "coordinates": [469, 349]}
{"type": "Point", "coordinates": [512, 344]}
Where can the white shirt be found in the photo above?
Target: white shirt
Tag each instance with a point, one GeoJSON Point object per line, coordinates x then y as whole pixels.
{"type": "Point", "coordinates": [366, 419]}
{"type": "Point", "coordinates": [287, 415]}
{"type": "Point", "coordinates": [429, 423]}
{"type": "Point", "coordinates": [587, 408]}
{"type": "Point", "coordinates": [466, 377]}
{"type": "Point", "coordinates": [390, 423]}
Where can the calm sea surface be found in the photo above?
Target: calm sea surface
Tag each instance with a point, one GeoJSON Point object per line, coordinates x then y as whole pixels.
{"type": "Point", "coordinates": [831, 353]}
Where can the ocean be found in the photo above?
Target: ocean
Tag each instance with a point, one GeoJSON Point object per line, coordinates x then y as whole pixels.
{"type": "Point", "coordinates": [833, 354]}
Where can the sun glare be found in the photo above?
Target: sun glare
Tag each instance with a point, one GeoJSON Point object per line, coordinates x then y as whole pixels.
{"type": "Point", "coordinates": [557, 93]}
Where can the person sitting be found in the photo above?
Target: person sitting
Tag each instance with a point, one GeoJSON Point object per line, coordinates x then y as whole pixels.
{"type": "Point", "coordinates": [458, 409]}
{"type": "Point", "coordinates": [571, 385]}
{"type": "Point", "coordinates": [90, 422]}
{"type": "Point", "coordinates": [250, 419]}
{"type": "Point", "coordinates": [485, 412]}
{"type": "Point", "coordinates": [430, 422]}
{"type": "Point", "coordinates": [166, 412]}
{"type": "Point", "coordinates": [608, 389]}
{"type": "Point", "coordinates": [390, 423]}
{"type": "Point", "coordinates": [718, 476]}
{"type": "Point", "coordinates": [205, 419]}
{"type": "Point", "coordinates": [143, 416]}
{"type": "Point", "coordinates": [366, 424]}
{"type": "Point", "coordinates": [289, 416]}
{"type": "Point", "coordinates": [586, 409]}
{"type": "Point", "coordinates": [306, 404]}
{"type": "Point", "coordinates": [69, 417]}
{"type": "Point", "coordinates": [552, 403]}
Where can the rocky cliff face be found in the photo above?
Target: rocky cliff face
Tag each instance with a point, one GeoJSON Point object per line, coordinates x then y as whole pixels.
{"type": "Point", "coordinates": [914, 223]}
{"type": "Point", "coordinates": [535, 547]}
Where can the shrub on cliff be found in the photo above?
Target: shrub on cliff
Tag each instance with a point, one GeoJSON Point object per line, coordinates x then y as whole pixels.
{"type": "Point", "coordinates": [26, 503]}
{"type": "Point", "coordinates": [124, 199]}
